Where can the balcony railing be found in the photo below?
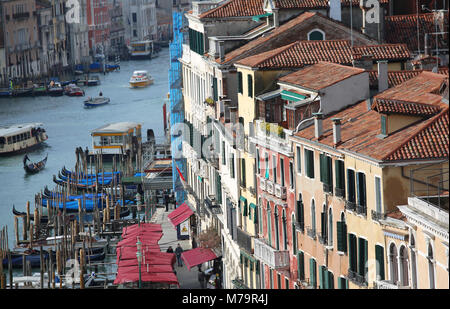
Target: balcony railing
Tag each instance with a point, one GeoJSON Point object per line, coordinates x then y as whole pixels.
{"type": "Point", "coordinates": [244, 240]}
{"type": "Point", "coordinates": [327, 188]}
{"type": "Point", "coordinates": [311, 232]}
{"type": "Point", "coordinates": [21, 15]}
{"type": "Point", "coordinates": [262, 183]}
{"type": "Point", "coordinates": [387, 285]}
{"type": "Point", "coordinates": [339, 192]}
{"type": "Point", "coordinates": [323, 239]}
{"type": "Point", "coordinates": [269, 187]}
{"type": "Point", "coordinates": [350, 205]}
{"type": "Point", "coordinates": [277, 259]}
{"type": "Point", "coordinates": [361, 210]}
{"type": "Point", "coordinates": [377, 216]}
{"type": "Point", "coordinates": [356, 278]}
{"type": "Point", "coordinates": [280, 191]}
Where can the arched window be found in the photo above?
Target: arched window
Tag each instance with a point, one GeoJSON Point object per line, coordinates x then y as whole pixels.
{"type": "Point", "coordinates": [330, 227]}
{"type": "Point", "coordinates": [277, 229]}
{"type": "Point", "coordinates": [430, 258]}
{"type": "Point", "coordinates": [313, 216]}
{"type": "Point", "coordinates": [260, 216]}
{"type": "Point", "coordinates": [294, 235]}
{"type": "Point", "coordinates": [404, 276]}
{"type": "Point", "coordinates": [413, 263]}
{"type": "Point", "coordinates": [284, 222]}
{"type": "Point", "coordinates": [316, 35]}
{"type": "Point", "coordinates": [393, 263]}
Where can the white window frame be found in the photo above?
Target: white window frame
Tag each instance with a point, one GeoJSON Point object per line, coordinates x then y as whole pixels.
{"type": "Point", "coordinates": [314, 30]}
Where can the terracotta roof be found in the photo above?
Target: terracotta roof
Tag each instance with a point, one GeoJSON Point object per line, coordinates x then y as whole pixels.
{"type": "Point", "coordinates": [430, 142]}
{"type": "Point", "coordinates": [385, 51]}
{"type": "Point", "coordinates": [403, 29]}
{"type": "Point", "coordinates": [312, 4]}
{"type": "Point", "coordinates": [387, 106]}
{"type": "Point", "coordinates": [301, 53]}
{"type": "Point", "coordinates": [320, 75]}
{"type": "Point", "coordinates": [427, 139]}
{"type": "Point", "coordinates": [236, 8]}
{"type": "Point", "coordinates": [395, 78]}
{"type": "Point", "coordinates": [421, 89]}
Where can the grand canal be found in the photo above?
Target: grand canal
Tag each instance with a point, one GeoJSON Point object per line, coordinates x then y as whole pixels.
{"type": "Point", "coordinates": [68, 126]}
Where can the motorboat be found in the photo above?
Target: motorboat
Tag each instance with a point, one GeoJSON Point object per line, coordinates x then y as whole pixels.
{"type": "Point", "coordinates": [55, 89]}
{"type": "Point", "coordinates": [97, 101]}
{"type": "Point", "coordinates": [21, 137]}
{"type": "Point", "coordinates": [140, 79]}
{"type": "Point", "coordinates": [73, 90]}
{"type": "Point", "coordinates": [39, 89]}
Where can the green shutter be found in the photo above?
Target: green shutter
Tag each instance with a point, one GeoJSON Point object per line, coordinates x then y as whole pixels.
{"type": "Point", "coordinates": [299, 160]}
{"type": "Point", "coordinates": [243, 173]}
{"type": "Point", "coordinates": [379, 256]}
{"type": "Point", "coordinates": [250, 85]}
{"type": "Point", "coordinates": [255, 215]}
{"type": "Point", "coordinates": [223, 153]}
{"type": "Point", "coordinates": [323, 223]}
{"type": "Point", "coordinates": [321, 277]}
{"type": "Point", "coordinates": [362, 256]}
{"type": "Point", "coordinates": [312, 272]}
{"type": "Point", "coordinates": [301, 265]}
{"type": "Point", "coordinates": [240, 82]}
{"type": "Point", "coordinates": [326, 278]}
{"type": "Point", "coordinates": [215, 90]}
{"type": "Point", "coordinates": [330, 280]}
{"type": "Point", "coordinates": [341, 229]}
{"type": "Point", "coordinates": [322, 167]}
{"type": "Point", "coordinates": [337, 168]}
{"type": "Point", "coordinates": [352, 252]}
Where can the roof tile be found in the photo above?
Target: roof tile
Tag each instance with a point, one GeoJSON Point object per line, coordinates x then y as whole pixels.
{"type": "Point", "coordinates": [236, 8]}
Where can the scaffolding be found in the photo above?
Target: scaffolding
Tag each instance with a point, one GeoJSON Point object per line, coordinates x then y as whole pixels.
{"type": "Point", "coordinates": [176, 103]}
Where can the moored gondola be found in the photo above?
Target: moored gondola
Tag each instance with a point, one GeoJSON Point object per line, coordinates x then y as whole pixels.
{"type": "Point", "coordinates": [34, 168]}
{"type": "Point", "coordinates": [44, 219]}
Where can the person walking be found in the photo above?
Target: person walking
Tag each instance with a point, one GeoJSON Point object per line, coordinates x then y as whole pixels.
{"type": "Point", "coordinates": [178, 252]}
{"type": "Point", "coordinates": [201, 279]}
{"type": "Point", "coordinates": [194, 243]}
{"type": "Point", "coordinates": [166, 201]}
{"type": "Point", "coordinates": [170, 249]}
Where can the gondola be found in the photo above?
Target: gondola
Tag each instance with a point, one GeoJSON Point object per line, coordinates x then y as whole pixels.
{"type": "Point", "coordinates": [67, 173]}
{"type": "Point", "coordinates": [87, 182]}
{"type": "Point", "coordinates": [44, 219]}
{"type": "Point", "coordinates": [23, 92]}
{"type": "Point", "coordinates": [34, 168]}
{"type": "Point", "coordinates": [49, 195]}
{"type": "Point", "coordinates": [72, 183]}
{"type": "Point", "coordinates": [98, 101]}
{"type": "Point", "coordinates": [34, 258]}
{"type": "Point", "coordinates": [72, 206]}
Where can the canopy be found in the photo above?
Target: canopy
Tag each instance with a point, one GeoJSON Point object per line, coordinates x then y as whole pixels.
{"type": "Point", "coordinates": [180, 214]}
{"type": "Point", "coordinates": [144, 227]}
{"type": "Point", "coordinates": [291, 96]}
{"type": "Point", "coordinates": [150, 259]}
{"type": "Point", "coordinates": [166, 277]}
{"type": "Point", "coordinates": [197, 256]}
{"type": "Point", "coordinates": [145, 240]}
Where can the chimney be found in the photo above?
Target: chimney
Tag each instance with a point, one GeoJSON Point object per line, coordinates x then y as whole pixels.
{"type": "Point", "coordinates": [362, 61]}
{"type": "Point", "coordinates": [336, 130]}
{"type": "Point", "coordinates": [383, 82]}
{"type": "Point", "coordinates": [335, 9]}
{"type": "Point", "coordinates": [318, 129]}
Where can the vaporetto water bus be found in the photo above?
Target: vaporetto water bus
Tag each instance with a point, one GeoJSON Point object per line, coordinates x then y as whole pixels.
{"type": "Point", "coordinates": [21, 137]}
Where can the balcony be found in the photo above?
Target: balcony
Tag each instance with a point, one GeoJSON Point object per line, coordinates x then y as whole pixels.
{"type": "Point", "coordinates": [323, 239]}
{"type": "Point", "coordinates": [388, 285]}
{"type": "Point", "coordinates": [280, 191]}
{"type": "Point", "coordinates": [276, 259]}
{"type": "Point", "coordinates": [262, 184]}
{"type": "Point", "coordinates": [339, 192]}
{"type": "Point", "coordinates": [377, 216]}
{"type": "Point", "coordinates": [244, 240]}
{"type": "Point", "coordinates": [350, 205]}
{"type": "Point", "coordinates": [21, 15]}
{"type": "Point", "coordinates": [327, 188]}
{"type": "Point", "coordinates": [361, 210]}
{"type": "Point", "coordinates": [357, 278]}
{"type": "Point", "coordinates": [299, 226]}
{"type": "Point", "coordinates": [269, 187]}
{"type": "Point", "coordinates": [311, 232]}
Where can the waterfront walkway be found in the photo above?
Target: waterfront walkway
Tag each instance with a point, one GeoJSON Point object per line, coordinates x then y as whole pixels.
{"type": "Point", "coordinates": [187, 279]}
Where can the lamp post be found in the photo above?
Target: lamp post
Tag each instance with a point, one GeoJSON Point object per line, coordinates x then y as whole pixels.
{"type": "Point", "coordinates": [139, 258]}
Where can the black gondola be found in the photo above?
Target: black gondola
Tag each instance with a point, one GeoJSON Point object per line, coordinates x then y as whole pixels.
{"type": "Point", "coordinates": [44, 219]}
{"type": "Point", "coordinates": [34, 168]}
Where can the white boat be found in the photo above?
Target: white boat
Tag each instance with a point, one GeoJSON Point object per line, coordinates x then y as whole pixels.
{"type": "Point", "coordinates": [21, 137]}
{"type": "Point", "coordinates": [140, 79]}
{"type": "Point", "coordinates": [92, 102]}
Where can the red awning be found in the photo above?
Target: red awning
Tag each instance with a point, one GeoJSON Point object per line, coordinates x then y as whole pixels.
{"type": "Point", "coordinates": [197, 256]}
{"type": "Point", "coordinates": [148, 259]}
{"type": "Point", "coordinates": [144, 227]}
{"type": "Point", "coordinates": [169, 278]}
{"type": "Point", "coordinates": [180, 214]}
{"type": "Point", "coordinates": [151, 239]}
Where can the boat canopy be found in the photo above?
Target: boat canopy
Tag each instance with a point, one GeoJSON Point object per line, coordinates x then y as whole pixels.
{"type": "Point", "coordinates": [18, 129]}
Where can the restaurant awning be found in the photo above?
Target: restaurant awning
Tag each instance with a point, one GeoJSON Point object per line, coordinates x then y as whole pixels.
{"type": "Point", "coordinates": [197, 256]}
{"type": "Point", "coordinates": [166, 277]}
{"type": "Point", "coordinates": [180, 214]}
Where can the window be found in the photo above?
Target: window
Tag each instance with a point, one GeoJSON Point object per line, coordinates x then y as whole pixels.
{"type": "Point", "coordinates": [379, 257]}
{"type": "Point", "coordinates": [274, 168]}
{"type": "Point", "coordinates": [223, 154]}
{"type": "Point", "coordinates": [316, 35]}
{"type": "Point", "coordinates": [215, 90]}
{"type": "Point", "coordinates": [404, 275]}
{"type": "Point", "coordinates": [135, 33]}
{"type": "Point", "coordinates": [378, 194]}
{"type": "Point", "coordinates": [309, 163]}
{"type": "Point", "coordinates": [291, 175]}
{"type": "Point", "coordinates": [393, 264]}
{"type": "Point", "coordinates": [279, 281]}
{"type": "Point", "coordinates": [196, 43]}
{"type": "Point", "coordinates": [299, 160]}
{"type": "Point", "coordinates": [232, 165]}
{"type": "Point", "coordinates": [282, 171]}
{"type": "Point", "coordinates": [330, 227]}
{"type": "Point", "coordinates": [284, 222]}
{"type": "Point", "coordinates": [323, 224]}
{"type": "Point", "coordinates": [430, 258]}
{"type": "Point", "coordinates": [294, 235]}
{"type": "Point", "coordinates": [312, 273]}
{"type": "Point", "coordinates": [326, 172]}
{"type": "Point", "coordinates": [341, 231]}
{"type": "Point", "coordinates": [250, 85]}
{"type": "Point", "coordinates": [342, 283]}
{"type": "Point", "coordinates": [269, 221]}
{"type": "Point", "coordinates": [240, 83]}
{"type": "Point", "coordinates": [313, 216]}
{"type": "Point", "coordinates": [361, 188]}
{"type": "Point", "coordinates": [243, 181]}
{"type": "Point", "coordinates": [413, 263]}
{"type": "Point", "coordinates": [300, 212]}
{"type": "Point", "coordinates": [258, 165]}
{"type": "Point", "coordinates": [277, 230]}
{"type": "Point", "coordinates": [301, 265]}
{"type": "Point", "coordinates": [134, 17]}
{"type": "Point", "coordinates": [340, 178]}
{"type": "Point", "coordinates": [362, 256]}
{"type": "Point", "coordinates": [352, 257]}
{"type": "Point", "coordinates": [286, 283]}
{"type": "Point", "coordinates": [351, 190]}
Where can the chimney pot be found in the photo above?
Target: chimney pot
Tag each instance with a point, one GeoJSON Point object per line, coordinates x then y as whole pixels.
{"type": "Point", "coordinates": [318, 128]}
{"type": "Point", "coordinates": [336, 130]}
{"type": "Point", "coordinates": [383, 82]}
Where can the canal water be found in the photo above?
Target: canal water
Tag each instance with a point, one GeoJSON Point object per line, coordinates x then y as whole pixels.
{"type": "Point", "coordinates": [68, 125]}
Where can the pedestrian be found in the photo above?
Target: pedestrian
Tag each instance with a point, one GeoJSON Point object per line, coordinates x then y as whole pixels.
{"type": "Point", "coordinates": [178, 252]}
{"type": "Point", "coordinates": [166, 201]}
{"type": "Point", "coordinates": [194, 243]}
{"type": "Point", "coordinates": [170, 249]}
{"type": "Point", "coordinates": [217, 282]}
{"type": "Point", "coordinates": [201, 279]}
